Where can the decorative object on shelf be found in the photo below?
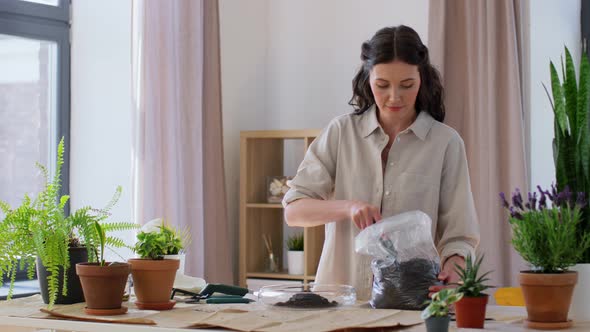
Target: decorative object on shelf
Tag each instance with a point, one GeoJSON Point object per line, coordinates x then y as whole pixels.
{"type": "Point", "coordinates": [295, 258]}
{"type": "Point", "coordinates": [153, 276]}
{"type": "Point", "coordinates": [277, 187]}
{"type": "Point", "coordinates": [264, 153]}
{"type": "Point", "coordinates": [470, 311]}
{"type": "Point", "coordinates": [547, 235]}
{"type": "Point", "coordinates": [436, 314]}
{"type": "Point", "coordinates": [272, 264]}
{"type": "Point", "coordinates": [571, 144]}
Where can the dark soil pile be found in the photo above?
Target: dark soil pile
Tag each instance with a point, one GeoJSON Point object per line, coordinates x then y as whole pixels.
{"type": "Point", "coordinates": [307, 300]}
{"type": "Point", "coordinates": [403, 285]}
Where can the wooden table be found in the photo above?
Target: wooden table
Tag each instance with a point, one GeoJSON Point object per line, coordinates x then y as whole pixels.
{"type": "Point", "coordinates": [508, 319]}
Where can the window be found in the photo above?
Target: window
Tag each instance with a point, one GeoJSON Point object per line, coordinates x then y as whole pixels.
{"type": "Point", "coordinates": [34, 93]}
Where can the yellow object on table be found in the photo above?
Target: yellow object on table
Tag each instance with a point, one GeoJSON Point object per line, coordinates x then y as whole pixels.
{"type": "Point", "coordinates": [509, 296]}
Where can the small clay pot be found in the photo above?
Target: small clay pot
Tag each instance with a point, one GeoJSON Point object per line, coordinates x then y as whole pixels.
{"type": "Point", "coordinates": [471, 311]}
{"type": "Point", "coordinates": [153, 281]}
{"type": "Point", "coordinates": [103, 286]}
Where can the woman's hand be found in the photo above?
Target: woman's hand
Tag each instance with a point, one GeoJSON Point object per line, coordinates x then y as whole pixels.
{"type": "Point", "coordinates": [363, 214]}
{"type": "Point", "coordinates": [448, 275]}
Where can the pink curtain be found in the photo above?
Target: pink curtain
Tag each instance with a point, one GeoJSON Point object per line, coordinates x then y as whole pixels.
{"type": "Point", "coordinates": [479, 47]}
{"type": "Point", "coordinates": [177, 127]}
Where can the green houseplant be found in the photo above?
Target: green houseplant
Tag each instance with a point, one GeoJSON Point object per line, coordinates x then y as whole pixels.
{"type": "Point", "coordinates": [38, 233]}
{"type": "Point", "coordinates": [471, 309]}
{"type": "Point", "coordinates": [571, 152]}
{"type": "Point", "coordinates": [295, 255]}
{"type": "Point", "coordinates": [545, 232]}
{"type": "Point", "coordinates": [571, 143]}
{"type": "Point", "coordinates": [436, 314]}
{"type": "Point", "coordinates": [153, 275]}
{"type": "Point", "coordinates": [104, 282]}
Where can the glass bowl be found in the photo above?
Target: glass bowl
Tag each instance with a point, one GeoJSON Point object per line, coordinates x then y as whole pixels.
{"type": "Point", "coordinates": [307, 296]}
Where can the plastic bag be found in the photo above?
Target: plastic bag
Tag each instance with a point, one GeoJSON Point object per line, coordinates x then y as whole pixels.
{"type": "Point", "coordinates": [405, 261]}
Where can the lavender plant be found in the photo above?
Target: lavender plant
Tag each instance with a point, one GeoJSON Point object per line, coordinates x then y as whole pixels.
{"type": "Point", "coordinates": [546, 229]}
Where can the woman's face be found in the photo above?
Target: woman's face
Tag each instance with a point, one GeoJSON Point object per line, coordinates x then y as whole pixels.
{"type": "Point", "coordinates": [395, 87]}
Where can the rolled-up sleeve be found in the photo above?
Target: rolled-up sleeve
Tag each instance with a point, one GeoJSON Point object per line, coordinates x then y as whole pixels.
{"type": "Point", "coordinates": [457, 228]}
{"type": "Point", "coordinates": [315, 175]}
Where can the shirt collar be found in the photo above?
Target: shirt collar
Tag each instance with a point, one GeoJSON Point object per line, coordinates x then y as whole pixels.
{"type": "Point", "coordinates": [420, 127]}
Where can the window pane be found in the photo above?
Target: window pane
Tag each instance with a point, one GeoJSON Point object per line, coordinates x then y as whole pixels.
{"type": "Point", "coordinates": [27, 114]}
{"type": "Point", "coordinates": [44, 2]}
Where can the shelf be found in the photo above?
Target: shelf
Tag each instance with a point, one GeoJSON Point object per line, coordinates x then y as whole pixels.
{"type": "Point", "coordinates": [264, 205]}
{"type": "Point", "coordinates": [270, 275]}
{"type": "Point", "coordinates": [263, 154]}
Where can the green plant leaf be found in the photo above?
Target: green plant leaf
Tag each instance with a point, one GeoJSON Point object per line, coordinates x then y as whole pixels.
{"type": "Point", "coordinates": [558, 101]}
{"type": "Point", "coordinates": [571, 92]}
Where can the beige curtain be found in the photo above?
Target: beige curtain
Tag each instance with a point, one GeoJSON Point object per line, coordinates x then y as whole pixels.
{"type": "Point", "coordinates": [480, 46]}
{"type": "Point", "coordinates": [177, 144]}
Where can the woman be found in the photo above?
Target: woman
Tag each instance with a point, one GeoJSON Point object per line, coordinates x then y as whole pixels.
{"type": "Point", "coordinates": [392, 154]}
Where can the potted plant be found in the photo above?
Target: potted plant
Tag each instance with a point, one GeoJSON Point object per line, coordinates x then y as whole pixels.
{"type": "Point", "coordinates": [295, 259]}
{"type": "Point", "coordinates": [153, 275]}
{"type": "Point", "coordinates": [548, 238]}
{"type": "Point", "coordinates": [436, 314]}
{"type": "Point", "coordinates": [571, 144]}
{"type": "Point", "coordinates": [470, 311]}
{"type": "Point", "coordinates": [103, 282]}
{"type": "Point", "coordinates": [175, 250]}
{"type": "Point", "coordinates": [38, 233]}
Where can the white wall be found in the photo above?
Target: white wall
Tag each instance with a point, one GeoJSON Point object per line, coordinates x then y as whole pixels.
{"type": "Point", "coordinates": [314, 52]}
{"type": "Point", "coordinates": [243, 41]}
{"type": "Point", "coordinates": [101, 106]}
{"type": "Point", "coordinates": [553, 24]}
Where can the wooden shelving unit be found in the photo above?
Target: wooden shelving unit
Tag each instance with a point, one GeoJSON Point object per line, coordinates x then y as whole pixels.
{"type": "Point", "coordinates": [261, 155]}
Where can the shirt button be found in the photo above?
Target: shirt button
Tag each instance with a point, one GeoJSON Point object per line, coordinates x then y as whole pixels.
{"type": "Point", "coordinates": [391, 163]}
{"type": "Point", "coordinates": [398, 139]}
{"type": "Point", "coordinates": [387, 193]}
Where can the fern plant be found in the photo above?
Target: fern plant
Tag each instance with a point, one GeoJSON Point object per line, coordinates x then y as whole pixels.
{"type": "Point", "coordinates": [571, 145]}
{"type": "Point", "coordinates": [472, 285]}
{"type": "Point", "coordinates": [40, 228]}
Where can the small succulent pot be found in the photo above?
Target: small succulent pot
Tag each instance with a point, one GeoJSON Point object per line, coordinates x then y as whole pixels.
{"type": "Point", "coordinates": [471, 311]}
{"type": "Point", "coordinates": [437, 324]}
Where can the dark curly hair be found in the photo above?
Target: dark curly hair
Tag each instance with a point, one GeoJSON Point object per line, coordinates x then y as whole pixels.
{"type": "Point", "coordinates": [398, 43]}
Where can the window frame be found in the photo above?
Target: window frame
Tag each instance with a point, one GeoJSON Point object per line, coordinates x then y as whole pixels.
{"type": "Point", "coordinates": [49, 23]}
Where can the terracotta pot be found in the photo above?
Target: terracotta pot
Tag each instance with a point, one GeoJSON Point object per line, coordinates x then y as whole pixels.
{"type": "Point", "coordinates": [103, 286]}
{"type": "Point", "coordinates": [547, 297]}
{"type": "Point", "coordinates": [153, 281]}
{"type": "Point", "coordinates": [471, 311]}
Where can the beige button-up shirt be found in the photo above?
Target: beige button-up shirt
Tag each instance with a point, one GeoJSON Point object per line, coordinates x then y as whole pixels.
{"type": "Point", "coordinates": [426, 170]}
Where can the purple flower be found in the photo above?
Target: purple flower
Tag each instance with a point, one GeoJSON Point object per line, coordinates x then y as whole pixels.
{"type": "Point", "coordinates": [543, 199]}
{"type": "Point", "coordinates": [504, 201]}
{"type": "Point", "coordinates": [563, 199]}
{"type": "Point", "coordinates": [515, 214]}
{"type": "Point", "coordinates": [517, 199]}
